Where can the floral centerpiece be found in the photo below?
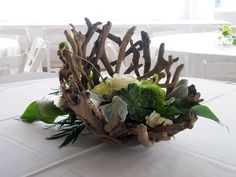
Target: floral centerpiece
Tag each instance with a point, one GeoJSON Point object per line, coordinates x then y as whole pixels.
{"type": "Point", "coordinates": [148, 106]}
{"type": "Point", "coordinates": [228, 35]}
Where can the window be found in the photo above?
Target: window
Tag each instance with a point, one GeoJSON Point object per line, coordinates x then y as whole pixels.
{"type": "Point", "coordinates": [226, 5]}
{"type": "Point", "coordinates": [217, 3]}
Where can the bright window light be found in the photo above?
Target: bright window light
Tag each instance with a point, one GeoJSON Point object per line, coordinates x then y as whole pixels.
{"type": "Point", "coordinates": [226, 4]}
{"type": "Point", "coordinates": [64, 11]}
{"type": "Point", "coordinates": [73, 10]}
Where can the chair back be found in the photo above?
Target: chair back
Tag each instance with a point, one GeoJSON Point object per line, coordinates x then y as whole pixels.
{"type": "Point", "coordinates": [36, 55]}
{"type": "Point", "coordinates": [12, 64]}
{"type": "Point", "coordinates": [20, 34]}
{"type": "Point", "coordinates": [54, 35]}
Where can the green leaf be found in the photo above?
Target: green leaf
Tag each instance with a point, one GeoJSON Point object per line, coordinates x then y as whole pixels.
{"type": "Point", "coordinates": [43, 110]}
{"type": "Point", "coordinates": [234, 42]}
{"type": "Point", "coordinates": [226, 30]}
{"type": "Point", "coordinates": [183, 105]}
{"type": "Point", "coordinates": [171, 112]}
{"type": "Point", "coordinates": [71, 134]}
{"type": "Point", "coordinates": [226, 33]}
{"type": "Point", "coordinates": [56, 92]}
{"type": "Point", "coordinates": [63, 46]}
{"type": "Point", "coordinates": [69, 128]}
{"type": "Point", "coordinates": [204, 111]}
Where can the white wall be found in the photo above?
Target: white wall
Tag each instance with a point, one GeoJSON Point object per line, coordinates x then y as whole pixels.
{"type": "Point", "coordinates": [54, 11]}
{"type": "Point", "coordinates": [201, 9]}
{"type": "Point", "coordinates": [226, 11]}
{"type": "Point", "coordinates": [229, 16]}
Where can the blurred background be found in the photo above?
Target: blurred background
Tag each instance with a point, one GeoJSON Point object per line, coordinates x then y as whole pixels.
{"type": "Point", "coordinates": [26, 20]}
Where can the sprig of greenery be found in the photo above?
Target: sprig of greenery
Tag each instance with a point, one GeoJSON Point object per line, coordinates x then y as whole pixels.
{"type": "Point", "coordinates": [45, 110]}
{"type": "Point", "coordinates": [68, 129]}
{"type": "Point", "coordinates": [228, 32]}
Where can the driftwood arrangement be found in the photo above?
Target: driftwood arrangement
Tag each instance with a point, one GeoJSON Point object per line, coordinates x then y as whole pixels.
{"type": "Point", "coordinates": [81, 72]}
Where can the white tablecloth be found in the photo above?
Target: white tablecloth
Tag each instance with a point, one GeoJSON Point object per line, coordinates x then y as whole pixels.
{"type": "Point", "coordinates": [197, 49]}
{"type": "Point", "coordinates": [205, 151]}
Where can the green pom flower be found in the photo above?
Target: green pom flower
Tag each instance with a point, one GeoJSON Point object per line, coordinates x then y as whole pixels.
{"type": "Point", "coordinates": [102, 89]}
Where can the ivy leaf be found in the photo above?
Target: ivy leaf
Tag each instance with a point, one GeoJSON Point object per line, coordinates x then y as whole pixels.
{"type": "Point", "coordinates": [183, 105]}
{"type": "Point", "coordinates": [43, 110]}
{"type": "Point", "coordinates": [204, 111]}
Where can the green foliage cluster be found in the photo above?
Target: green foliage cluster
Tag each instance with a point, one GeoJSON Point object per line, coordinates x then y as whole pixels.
{"type": "Point", "coordinates": [228, 32]}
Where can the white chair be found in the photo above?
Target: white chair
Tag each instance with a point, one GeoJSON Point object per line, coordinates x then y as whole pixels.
{"type": "Point", "coordinates": [54, 35]}
{"type": "Point", "coordinates": [12, 65]}
{"type": "Point", "coordinates": [20, 34]}
{"type": "Point", "coordinates": [28, 62]}
{"type": "Point", "coordinates": [36, 55]}
{"type": "Point", "coordinates": [220, 70]}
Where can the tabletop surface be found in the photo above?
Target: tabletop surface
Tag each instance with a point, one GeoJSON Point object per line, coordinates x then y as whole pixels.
{"type": "Point", "coordinates": [197, 43]}
{"type": "Point", "coordinates": [206, 150]}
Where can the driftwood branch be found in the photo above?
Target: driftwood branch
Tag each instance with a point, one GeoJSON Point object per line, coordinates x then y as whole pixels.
{"type": "Point", "coordinates": [146, 51]}
{"type": "Point", "coordinates": [161, 63]}
{"type": "Point", "coordinates": [125, 42]}
{"type": "Point", "coordinates": [112, 37]}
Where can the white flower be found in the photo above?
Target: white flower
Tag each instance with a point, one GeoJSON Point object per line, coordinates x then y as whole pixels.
{"type": "Point", "coordinates": [233, 29]}
{"type": "Point", "coordinates": [59, 102]}
{"type": "Point", "coordinates": [119, 81]}
{"type": "Point", "coordinates": [155, 119]}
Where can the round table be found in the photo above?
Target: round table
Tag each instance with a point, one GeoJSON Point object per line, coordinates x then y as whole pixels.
{"type": "Point", "coordinates": [206, 150]}
{"type": "Point", "coordinates": [196, 50]}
